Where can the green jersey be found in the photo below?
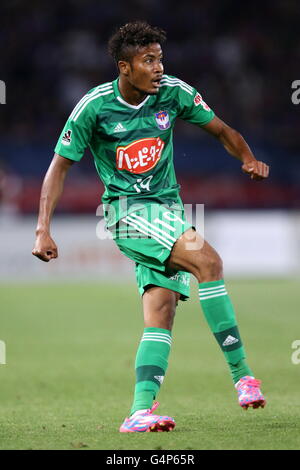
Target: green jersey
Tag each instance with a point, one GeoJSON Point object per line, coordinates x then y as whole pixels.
{"type": "Point", "coordinates": [132, 146]}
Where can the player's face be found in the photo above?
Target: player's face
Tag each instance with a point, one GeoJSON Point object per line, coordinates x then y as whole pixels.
{"type": "Point", "coordinates": [145, 69]}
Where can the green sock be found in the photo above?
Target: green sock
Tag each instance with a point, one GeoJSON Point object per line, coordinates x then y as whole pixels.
{"type": "Point", "coordinates": [150, 366]}
{"type": "Point", "coordinates": [220, 315]}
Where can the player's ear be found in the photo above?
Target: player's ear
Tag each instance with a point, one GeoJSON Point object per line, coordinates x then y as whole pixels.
{"type": "Point", "coordinates": [124, 67]}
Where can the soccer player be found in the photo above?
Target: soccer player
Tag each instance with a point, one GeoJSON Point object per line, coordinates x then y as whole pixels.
{"type": "Point", "coordinates": [127, 124]}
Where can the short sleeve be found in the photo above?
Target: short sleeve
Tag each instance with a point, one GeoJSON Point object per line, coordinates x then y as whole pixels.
{"type": "Point", "coordinates": [77, 132]}
{"type": "Point", "coordinates": [192, 107]}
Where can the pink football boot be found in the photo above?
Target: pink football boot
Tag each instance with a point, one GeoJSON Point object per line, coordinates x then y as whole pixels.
{"type": "Point", "coordinates": [249, 393]}
{"type": "Point", "coordinates": [145, 421]}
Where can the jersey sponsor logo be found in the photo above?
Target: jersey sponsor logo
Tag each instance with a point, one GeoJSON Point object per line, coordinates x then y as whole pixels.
{"type": "Point", "coordinates": [66, 140]}
{"type": "Point", "coordinates": [199, 100]}
{"type": "Point", "coordinates": [162, 120]}
{"type": "Point", "coordinates": [140, 156]}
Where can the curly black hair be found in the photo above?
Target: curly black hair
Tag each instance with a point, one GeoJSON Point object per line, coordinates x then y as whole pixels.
{"type": "Point", "coordinates": [125, 42]}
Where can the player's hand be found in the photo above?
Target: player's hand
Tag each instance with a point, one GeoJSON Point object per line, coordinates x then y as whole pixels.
{"type": "Point", "coordinates": [45, 248]}
{"type": "Point", "coordinates": [257, 170]}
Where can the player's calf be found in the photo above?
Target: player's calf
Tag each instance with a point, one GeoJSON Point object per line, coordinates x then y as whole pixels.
{"type": "Point", "coordinates": [159, 306]}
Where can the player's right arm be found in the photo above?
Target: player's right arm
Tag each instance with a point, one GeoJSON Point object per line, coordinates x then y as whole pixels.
{"type": "Point", "coordinates": [73, 141]}
{"type": "Point", "coordinates": [45, 248]}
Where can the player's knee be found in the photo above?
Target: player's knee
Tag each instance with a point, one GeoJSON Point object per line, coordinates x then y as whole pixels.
{"type": "Point", "coordinates": [209, 268]}
{"type": "Point", "coordinates": [216, 266]}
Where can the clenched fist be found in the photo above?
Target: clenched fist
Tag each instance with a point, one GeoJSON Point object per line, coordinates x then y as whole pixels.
{"type": "Point", "coordinates": [257, 170]}
{"type": "Point", "coordinates": [45, 248]}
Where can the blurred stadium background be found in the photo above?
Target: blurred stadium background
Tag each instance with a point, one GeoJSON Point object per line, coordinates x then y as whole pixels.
{"type": "Point", "coordinates": [243, 58]}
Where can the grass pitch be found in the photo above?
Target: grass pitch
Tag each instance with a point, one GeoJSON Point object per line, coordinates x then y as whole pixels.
{"type": "Point", "coordinates": [69, 377]}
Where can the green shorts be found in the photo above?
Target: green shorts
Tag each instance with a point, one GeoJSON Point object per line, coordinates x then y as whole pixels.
{"type": "Point", "coordinates": [147, 237]}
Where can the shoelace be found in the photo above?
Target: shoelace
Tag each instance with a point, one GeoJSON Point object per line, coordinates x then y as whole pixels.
{"type": "Point", "coordinates": [154, 406]}
{"type": "Point", "coordinates": [251, 382]}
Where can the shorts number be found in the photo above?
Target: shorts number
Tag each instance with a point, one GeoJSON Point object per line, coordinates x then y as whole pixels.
{"type": "Point", "coordinates": [143, 184]}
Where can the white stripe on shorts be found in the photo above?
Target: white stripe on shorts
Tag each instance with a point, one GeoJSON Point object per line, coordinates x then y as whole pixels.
{"type": "Point", "coordinates": [133, 224]}
{"type": "Point", "coordinates": [153, 227]}
{"type": "Point", "coordinates": [150, 231]}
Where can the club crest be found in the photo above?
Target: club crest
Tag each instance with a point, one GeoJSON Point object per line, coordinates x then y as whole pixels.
{"type": "Point", "coordinates": [162, 120]}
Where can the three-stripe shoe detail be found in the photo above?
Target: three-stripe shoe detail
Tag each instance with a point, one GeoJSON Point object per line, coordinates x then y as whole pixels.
{"type": "Point", "coordinates": [142, 225]}
{"type": "Point", "coordinates": [160, 337]}
{"type": "Point", "coordinates": [211, 292]}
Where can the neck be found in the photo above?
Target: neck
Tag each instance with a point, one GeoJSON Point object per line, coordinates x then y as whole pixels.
{"type": "Point", "coordinates": [129, 93]}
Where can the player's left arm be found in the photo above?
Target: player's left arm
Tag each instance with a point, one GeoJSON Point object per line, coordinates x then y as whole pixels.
{"type": "Point", "coordinates": [236, 145]}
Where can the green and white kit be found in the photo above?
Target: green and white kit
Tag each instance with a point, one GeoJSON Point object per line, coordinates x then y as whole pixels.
{"type": "Point", "coordinates": [133, 154]}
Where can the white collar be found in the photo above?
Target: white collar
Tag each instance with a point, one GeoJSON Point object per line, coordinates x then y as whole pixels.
{"type": "Point", "coordinates": [131, 105]}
